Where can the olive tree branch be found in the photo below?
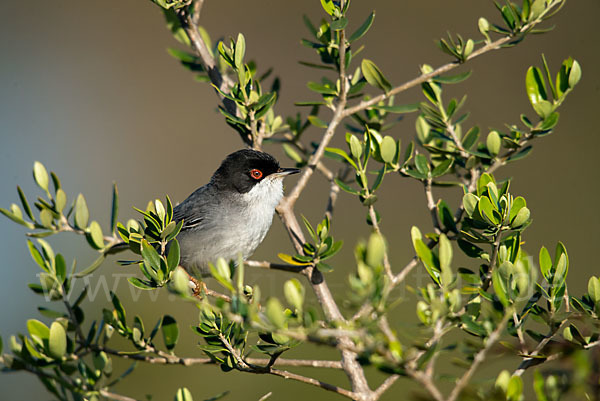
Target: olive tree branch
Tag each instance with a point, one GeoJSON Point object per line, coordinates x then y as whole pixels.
{"type": "Point", "coordinates": [386, 260]}
{"type": "Point", "coordinates": [431, 205]}
{"type": "Point", "coordinates": [531, 359]}
{"type": "Point", "coordinates": [427, 382]}
{"type": "Point", "coordinates": [163, 358]}
{"type": "Point", "coordinates": [387, 383]}
{"type": "Point", "coordinates": [243, 365]}
{"type": "Point", "coordinates": [113, 396]}
{"type": "Point", "coordinates": [478, 360]}
{"type": "Point", "coordinates": [497, 44]}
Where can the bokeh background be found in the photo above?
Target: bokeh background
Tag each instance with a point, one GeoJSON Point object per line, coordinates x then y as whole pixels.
{"type": "Point", "coordinates": [87, 88]}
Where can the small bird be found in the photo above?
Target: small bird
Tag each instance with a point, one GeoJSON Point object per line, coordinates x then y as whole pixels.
{"type": "Point", "coordinates": [230, 215]}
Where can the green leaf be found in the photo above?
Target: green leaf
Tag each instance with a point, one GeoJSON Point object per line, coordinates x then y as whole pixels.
{"type": "Point", "coordinates": [388, 149]}
{"type": "Point", "coordinates": [174, 255]}
{"type": "Point", "coordinates": [14, 217]}
{"type": "Point", "coordinates": [184, 57]}
{"type": "Point", "coordinates": [442, 168]}
{"type": "Point", "coordinates": [521, 154]}
{"type": "Point", "coordinates": [240, 51]}
{"type": "Point", "coordinates": [521, 218]}
{"type": "Point", "coordinates": [518, 203]}
{"type": "Point", "coordinates": [57, 341]}
{"type": "Point", "coordinates": [183, 394]}
{"type": "Point", "coordinates": [114, 210]}
{"type": "Point", "coordinates": [60, 200]}
{"type": "Point", "coordinates": [37, 256]}
{"type": "Point", "coordinates": [38, 331]}
{"type": "Point", "coordinates": [291, 260]}
{"type": "Point", "coordinates": [422, 164]}
{"type": "Point", "coordinates": [222, 273]}
{"type": "Point", "coordinates": [487, 210]}
{"type": "Point", "coordinates": [346, 187]}
{"type": "Point", "coordinates": [334, 152]}
{"type": "Point", "coordinates": [60, 266]}
{"type": "Point", "coordinates": [374, 76]}
{"type": "Point", "coordinates": [575, 74]}
{"type": "Point", "coordinates": [398, 109]}
{"type": "Point", "coordinates": [514, 390]}
{"type": "Point", "coordinates": [376, 249]}
{"type": "Point", "coordinates": [535, 86]}
{"type": "Point", "coordinates": [95, 235]}
{"type": "Point", "coordinates": [445, 252]}
{"type": "Point", "coordinates": [423, 129]}
{"type": "Point", "coordinates": [92, 268]}
{"type": "Point", "coordinates": [317, 122]}
{"type": "Point", "coordinates": [470, 202]}
{"type": "Point", "coordinates": [545, 263]}
{"type": "Point", "coordinates": [119, 309]}
{"type": "Point", "coordinates": [82, 215]}
{"type": "Point", "coordinates": [324, 267]}
{"type": "Point", "coordinates": [500, 287]}
{"type": "Point", "coordinates": [180, 282]}
{"type": "Point", "coordinates": [470, 138]}
{"type": "Point", "coordinates": [355, 147]}
{"type": "Point", "coordinates": [427, 257]}
{"type": "Point", "coordinates": [452, 79]}
{"type": "Point", "coordinates": [328, 6]}
{"type": "Point", "coordinates": [360, 32]}
{"type": "Point", "coordinates": [40, 175]}
{"type": "Point", "coordinates": [562, 77]}
{"type": "Point", "coordinates": [294, 293]}
{"type": "Point", "coordinates": [594, 289]}
{"type": "Point", "coordinates": [25, 203]}
{"type": "Point", "coordinates": [170, 331]}
{"type": "Point", "coordinates": [275, 313]}
{"type": "Point", "coordinates": [150, 255]}
{"type": "Point", "coordinates": [46, 218]}
{"type": "Point", "coordinates": [142, 285]}
{"type": "Point", "coordinates": [539, 385]}
{"type": "Point", "coordinates": [339, 24]}
{"type": "Point", "coordinates": [493, 143]}
{"type": "Point", "coordinates": [543, 108]}
{"type": "Point", "coordinates": [562, 265]}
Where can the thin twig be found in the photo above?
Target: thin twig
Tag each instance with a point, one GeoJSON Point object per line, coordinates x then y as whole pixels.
{"type": "Point", "coordinates": [427, 382]}
{"type": "Point", "coordinates": [365, 104]}
{"type": "Point", "coordinates": [531, 360]}
{"type": "Point", "coordinates": [386, 261]}
{"type": "Point", "coordinates": [200, 289]}
{"type": "Point", "coordinates": [493, 262]}
{"type": "Point", "coordinates": [314, 382]}
{"type": "Point", "coordinates": [400, 277]}
{"type": "Point", "coordinates": [431, 205]}
{"type": "Point", "coordinates": [478, 360]}
{"type": "Point", "coordinates": [334, 190]}
{"type": "Point", "coordinates": [114, 396]}
{"type": "Point", "coordinates": [161, 358]}
{"type": "Point", "coordinates": [387, 383]}
{"type": "Point", "coordinates": [520, 335]}
{"type": "Point", "coordinates": [243, 365]}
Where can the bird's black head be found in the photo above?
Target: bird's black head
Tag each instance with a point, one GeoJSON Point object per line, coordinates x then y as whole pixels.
{"type": "Point", "coordinates": [242, 170]}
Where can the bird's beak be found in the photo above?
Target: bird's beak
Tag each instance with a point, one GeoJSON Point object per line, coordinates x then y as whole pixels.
{"type": "Point", "coordinates": [282, 172]}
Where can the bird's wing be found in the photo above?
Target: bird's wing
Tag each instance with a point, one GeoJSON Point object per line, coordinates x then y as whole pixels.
{"type": "Point", "coordinates": [193, 210]}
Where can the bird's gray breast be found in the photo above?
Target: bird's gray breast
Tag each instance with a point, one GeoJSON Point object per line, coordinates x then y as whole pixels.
{"type": "Point", "coordinates": [227, 225]}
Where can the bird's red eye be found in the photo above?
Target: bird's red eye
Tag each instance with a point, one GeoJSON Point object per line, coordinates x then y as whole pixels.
{"type": "Point", "coordinates": [256, 174]}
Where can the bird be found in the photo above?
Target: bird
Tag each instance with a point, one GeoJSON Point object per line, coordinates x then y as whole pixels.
{"type": "Point", "coordinates": [231, 215]}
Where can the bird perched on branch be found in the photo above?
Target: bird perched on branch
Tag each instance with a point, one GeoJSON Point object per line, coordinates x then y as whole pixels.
{"type": "Point", "coordinates": [230, 215]}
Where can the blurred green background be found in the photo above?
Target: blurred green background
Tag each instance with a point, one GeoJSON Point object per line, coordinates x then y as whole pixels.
{"type": "Point", "coordinates": [87, 88]}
